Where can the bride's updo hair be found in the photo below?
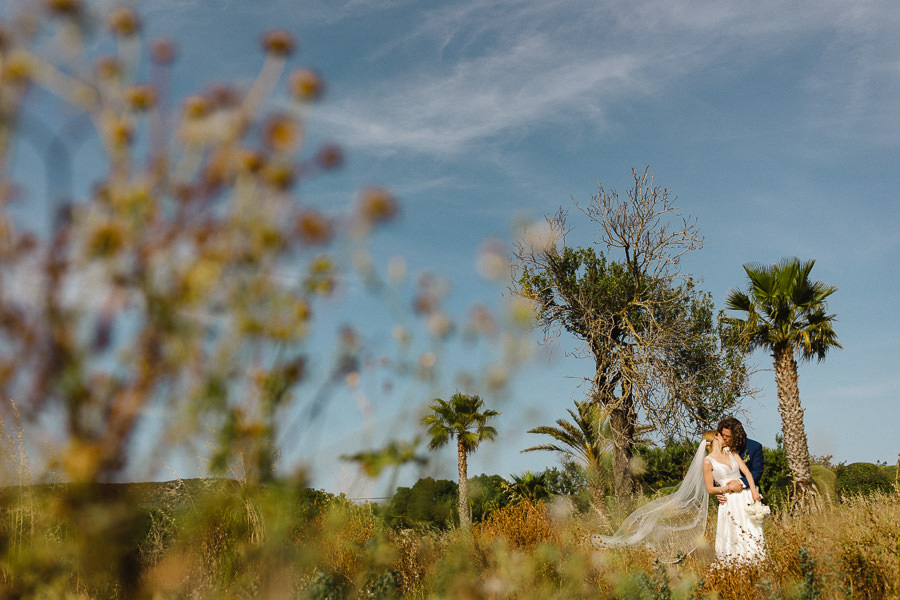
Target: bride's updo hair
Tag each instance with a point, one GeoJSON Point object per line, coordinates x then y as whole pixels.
{"type": "Point", "coordinates": [708, 437]}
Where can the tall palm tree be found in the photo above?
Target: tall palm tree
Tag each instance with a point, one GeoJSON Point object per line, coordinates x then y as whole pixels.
{"type": "Point", "coordinates": [464, 418]}
{"type": "Point", "coordinates": [786, 315]}
{"type": "Point", "coordinates": [587, 438]}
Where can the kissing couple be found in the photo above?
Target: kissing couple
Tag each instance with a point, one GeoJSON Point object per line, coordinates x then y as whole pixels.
{"type": "Point", "coordinates": [727, 465]}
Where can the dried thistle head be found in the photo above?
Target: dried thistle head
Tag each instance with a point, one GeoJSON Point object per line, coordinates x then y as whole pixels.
{"type": "Point", "coordinates": [281, 133]}
{"type": "Point", "coordinates": [376, 205]}
{"type": "Point", "coordinates": [107, 67]}
{"type": "Point", "coordinates": [329, 156]}
{"type": "Point", "coordinates": [314, 228]}
{"type": "Point", "coordinates": [249, 160]}
{"type": "Point", "coordinates": [64, 8]}
{"type": "Point", "coordinates": [279, 175]}
{"type": "Point", "coordinates": [124, 22]}
{"type": "Point", "coordinates": [16, 69]}
{"type": "Point", "coordinates": [163, 51]}
{"type": "Point", "coordinates": [306, 85]}
{"type": "Point", "coordinates": [119, 132]}
{"type": "Point", "coordinates": [322, 275]}
{"type": "Point", "coordinates": [106, 239]}
{"type": "Point", "coordinates": [195, 107]}
{"type": "Point", "coordinates": [141, 97]}
{"type": "Point", "coordinates": [278, 42]}
{"type": "Point", "coordinates": [222, 96]}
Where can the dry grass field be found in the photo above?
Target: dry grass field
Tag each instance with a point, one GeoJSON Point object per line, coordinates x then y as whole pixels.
{"type": "Point", "coordinates": [221, 539]}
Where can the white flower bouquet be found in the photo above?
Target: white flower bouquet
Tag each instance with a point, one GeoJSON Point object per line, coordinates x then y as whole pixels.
{"type": "Point", "coordinates": [757, 511]}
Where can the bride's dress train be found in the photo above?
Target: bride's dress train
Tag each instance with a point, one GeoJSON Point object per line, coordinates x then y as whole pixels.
{"type": "Point", "coordinates": [672, 526]}
{"type": "Point", "coordinates": [738, 537]}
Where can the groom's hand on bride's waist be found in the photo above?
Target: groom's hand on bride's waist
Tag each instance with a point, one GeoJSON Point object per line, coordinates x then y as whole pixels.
{"type": "Point", "coordinates": [731, 487]}
{"type": "Point", "coordinates": [734, 486]}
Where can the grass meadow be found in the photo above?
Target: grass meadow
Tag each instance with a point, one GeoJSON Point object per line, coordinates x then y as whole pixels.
{"type": "Point", "coordinates": [224, 539]}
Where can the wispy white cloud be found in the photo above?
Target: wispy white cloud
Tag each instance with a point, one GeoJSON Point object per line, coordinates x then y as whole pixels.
{"type": "Point", "coordinates": [478, 99]}
{"type": "Point", "coordinates": [489, 70]}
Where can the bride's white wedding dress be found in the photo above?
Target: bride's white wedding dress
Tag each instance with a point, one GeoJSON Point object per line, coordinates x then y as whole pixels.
{"type": "Point", "coordinates": [738, 537]}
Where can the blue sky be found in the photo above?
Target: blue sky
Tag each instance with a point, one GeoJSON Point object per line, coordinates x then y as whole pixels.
{"type": "Point", "coordinates": [777, 125]}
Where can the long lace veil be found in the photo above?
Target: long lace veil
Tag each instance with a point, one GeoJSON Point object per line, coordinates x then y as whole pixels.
{"type": "Point", "coordinates": [673, 525]}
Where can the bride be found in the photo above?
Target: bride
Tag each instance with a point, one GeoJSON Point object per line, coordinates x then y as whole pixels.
{"type": "Point", "coordinates": [739, 538]}
{"type": "Point", "coordinates": [673, 526]}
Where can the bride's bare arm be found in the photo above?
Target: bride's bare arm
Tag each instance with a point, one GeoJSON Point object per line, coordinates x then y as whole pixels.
{"type": "Point", "coordinates": [708, 479]}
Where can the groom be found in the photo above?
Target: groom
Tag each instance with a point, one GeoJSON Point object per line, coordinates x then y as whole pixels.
{"type": "Point", "coordinates": [750, 450]}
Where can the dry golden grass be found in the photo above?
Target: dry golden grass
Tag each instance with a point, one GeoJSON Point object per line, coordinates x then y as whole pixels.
{"type": "Point", "coordinates": [236, 542]}
{"type": "Point", "coordinates": [522, 525]}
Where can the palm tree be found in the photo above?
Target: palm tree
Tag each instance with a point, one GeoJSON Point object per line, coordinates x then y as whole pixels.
{"type": "Point", "coordinates": [528, 486]}
{"type": "Point", "coordinates": [465, 418]}
{"type": "Point", "coordinates": [587, 438]}
{"type": "Point", "coordinates": [786, 315]}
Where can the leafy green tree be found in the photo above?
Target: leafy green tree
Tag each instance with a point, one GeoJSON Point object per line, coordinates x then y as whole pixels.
{"type": "Point", "coordinates": [657, 352]}
{"type": "Point", "coordinates": [428, 503]}
{"type": "Point", "coordinates": [569, 480]}
{"type": "Point", "coordinates": [486, 494]}
{"type": "Point", "coordinates": [465, 419]}
{"type": "Point", "coordinates": [775, 483]}
{"type": "Point", "coordinates": [664, 466]}
{"type": "Point", "coordinates": [572, 481]}
{"type": "Point", "coordinates": [786, 314]}
{"type": "Point", "coordinates": [586, 295]}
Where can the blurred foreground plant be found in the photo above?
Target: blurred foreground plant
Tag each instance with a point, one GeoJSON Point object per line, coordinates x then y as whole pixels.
{"type": "Point", "coordinates": [173, 297]}
{"type": "Point", "coordinates": [163, 291]}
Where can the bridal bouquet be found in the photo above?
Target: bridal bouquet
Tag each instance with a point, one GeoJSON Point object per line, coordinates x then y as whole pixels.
{"type": "Point", "coordinates": [757, 511]}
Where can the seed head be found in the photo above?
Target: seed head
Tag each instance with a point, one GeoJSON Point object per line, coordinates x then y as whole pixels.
{"type": "Point", "coordinates": [281, 133]}
{"type": "Point", "coordinates": [105, 240]}
{"type": "Point", "coordinates": [108, 67]}
{"type": "Point", "coordinates": [223, 96]}
{"type": "Point", "coordinates": [376, 205]}
{"type": "Point", "coordinates": [279, 176]}
{"type": "Point", "coordinates": [195, 107]}
{"type": "Point", "coordinates": [16, 69]}
{"type": "Point", "coordinates": [306, 85]}
{"type": "Point", "coordinates": [120, 132]}
{"type": "Point", "coordinates": [124, 21]}
{"type": "Point", "coordinates": [141, 97]}
{"type": "Point", "coordinates": [64, 8]}
{"type": "Point", "coordinates": [163, 51]}
{"type": "Point", "coordinates": [313, 228]}
{"type": "Point", "coordinates": [250, 160]}
{"type": "Point", "coordinates": [278, 42]}
{"type": "Point", "coordinates": [329, 156]}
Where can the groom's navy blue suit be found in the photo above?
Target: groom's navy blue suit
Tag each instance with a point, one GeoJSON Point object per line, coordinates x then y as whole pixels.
{"type": "Point", "coordinates": [753, 457]}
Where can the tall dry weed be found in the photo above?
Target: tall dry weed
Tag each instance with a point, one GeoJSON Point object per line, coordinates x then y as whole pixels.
{"type": "Point", "coordinates": [523, 525]}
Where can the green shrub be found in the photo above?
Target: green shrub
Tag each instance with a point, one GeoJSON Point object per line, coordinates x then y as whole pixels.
{"type": "Point", "coordinates": [891, 471]}
{"type": "Point", "coordinates": [860, 479]}
{"type": "Point", "coordinates": [775, 483]}
{"type": "Point", "coordinates": [486, 494]}
{"type": "Point", "coordinates": [428, 503]}
{"type": "Point", "coordinates": [825, 479]}
{"type": "Point", "coordinates": [664, 466]}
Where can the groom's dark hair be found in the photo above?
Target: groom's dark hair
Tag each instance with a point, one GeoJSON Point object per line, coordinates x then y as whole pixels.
{"type": "Point", "coordinates": [738, 435]}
